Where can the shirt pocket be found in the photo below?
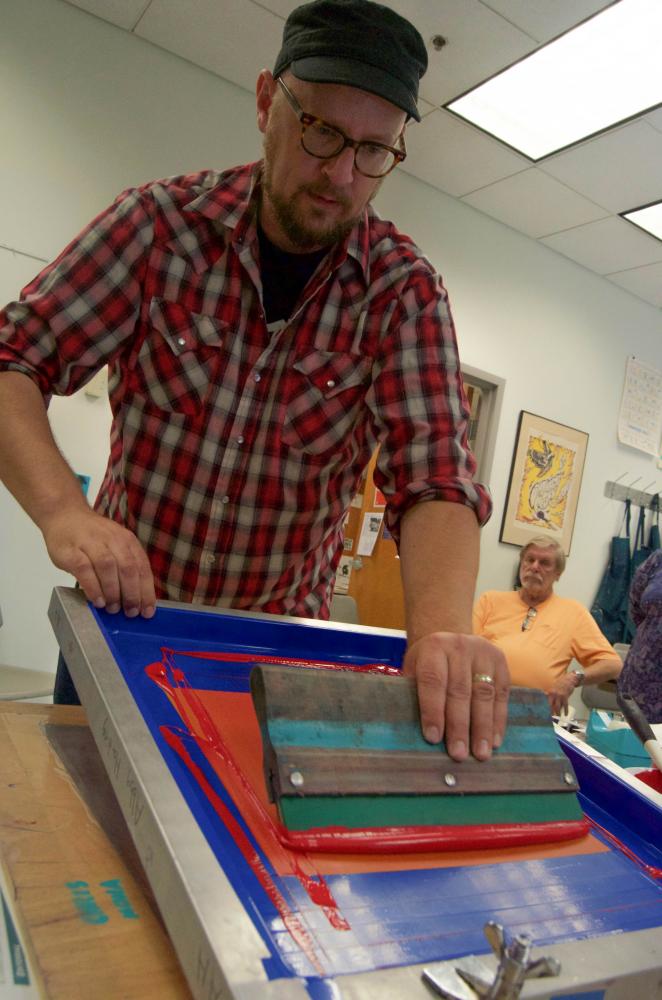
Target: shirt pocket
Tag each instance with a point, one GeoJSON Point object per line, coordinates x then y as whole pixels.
{"type": "Point", "coordinates": [181, 359]}
{"type": "Point", "coordinates": [324, 397]}
{"type": "Point", "coordinates": [543, 634]}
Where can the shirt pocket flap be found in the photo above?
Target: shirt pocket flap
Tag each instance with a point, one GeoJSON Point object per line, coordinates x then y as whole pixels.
{"type": "Point", "coordinates": [185, 330]}
{"type": "Point", "coordinates": [332, 372]}
{"type": "Point", "coordinates": [546, 635]}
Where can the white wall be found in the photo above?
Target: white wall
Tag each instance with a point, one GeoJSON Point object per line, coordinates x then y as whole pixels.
{"type": "Point", "coordinates": [88, 110]}
{"type": "Point", "coordinates": [559, 335]}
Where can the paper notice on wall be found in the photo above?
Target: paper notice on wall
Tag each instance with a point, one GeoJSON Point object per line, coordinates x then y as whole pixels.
{"type": "Point", "coordinates": [640, 417]}
{"type": "Point", "coordinates": [372, 522]}
{"type": "Point", "coordinates": [343, 575]}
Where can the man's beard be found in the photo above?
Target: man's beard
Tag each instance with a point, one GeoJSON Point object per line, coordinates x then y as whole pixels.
{"type": "Point", "coordinates": [298, 232]}
{"type": "Point", "coordinates": [291, 220]}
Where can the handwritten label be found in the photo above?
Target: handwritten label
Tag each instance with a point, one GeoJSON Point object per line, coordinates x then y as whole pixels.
{"type": "Point", "coordinates": [207, 978]}
{"type": "Point", "coordinates": [136, 801]}
{"type": "Point", "coordinates": [111, 752]}
{"type": "Point", "coordinates": [119, 898]}
{"type": "Point", "coordinates": [88, 909]}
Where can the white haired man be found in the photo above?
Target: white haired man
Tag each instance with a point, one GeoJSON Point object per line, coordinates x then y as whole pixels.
{"type": "Point", "coordinates": [540, 633]}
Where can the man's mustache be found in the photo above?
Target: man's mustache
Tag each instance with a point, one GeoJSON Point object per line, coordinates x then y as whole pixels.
{"type": "Point", "coordinates": [325, 191]}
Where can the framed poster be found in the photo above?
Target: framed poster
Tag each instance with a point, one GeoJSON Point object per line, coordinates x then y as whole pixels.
{"type": "Point", "coordinates": [545, 479]}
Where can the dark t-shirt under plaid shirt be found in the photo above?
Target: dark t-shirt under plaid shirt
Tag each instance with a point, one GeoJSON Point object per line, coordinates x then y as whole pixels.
{"type": "Point", "coordinates": [236, 448]}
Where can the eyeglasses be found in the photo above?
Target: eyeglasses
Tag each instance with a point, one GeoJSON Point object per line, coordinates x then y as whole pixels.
{"type": "Point", "coordinates": [318, 138]}
{"type": "Point", "coordinates": [528, 619]}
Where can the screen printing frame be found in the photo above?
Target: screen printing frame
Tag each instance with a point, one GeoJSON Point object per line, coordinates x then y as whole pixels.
{"type": "Point", "coordinates": [219, 947]}
{"type": "Point", "coordinates": [216, 942]}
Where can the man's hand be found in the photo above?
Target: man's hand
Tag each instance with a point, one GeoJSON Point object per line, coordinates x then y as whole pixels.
{"type": "Point", "coordinates": [107, 560]}
{"type": "Point", "coordinates": [559, 694]}
{"type": "Point", "coordinates": [456, 703]}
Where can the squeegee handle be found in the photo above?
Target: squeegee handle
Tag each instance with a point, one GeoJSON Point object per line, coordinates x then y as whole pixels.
{"type": "Point", "coordinates": [640, 725]}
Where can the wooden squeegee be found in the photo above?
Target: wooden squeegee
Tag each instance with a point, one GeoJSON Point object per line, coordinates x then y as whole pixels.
{"type": "Point", "coordinates": [348, 768]}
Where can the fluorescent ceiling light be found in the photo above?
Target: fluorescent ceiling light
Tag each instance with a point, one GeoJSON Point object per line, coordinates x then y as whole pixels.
{"type": "Point", "coordinates": [648, 218]}
{"type": "Point", "coordinates": [606, 70]}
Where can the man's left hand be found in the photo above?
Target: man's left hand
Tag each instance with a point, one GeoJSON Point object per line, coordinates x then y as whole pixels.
{"type": "Point", "coordinates": [559, 694]}
{"type": "Point", "coordinates": [463, 685]}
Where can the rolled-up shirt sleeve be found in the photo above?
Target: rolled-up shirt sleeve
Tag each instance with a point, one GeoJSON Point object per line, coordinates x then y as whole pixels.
{"type": "Point", "coordinates": [421, 406]}
{"type": "Point", "coordinates": [74, 317]}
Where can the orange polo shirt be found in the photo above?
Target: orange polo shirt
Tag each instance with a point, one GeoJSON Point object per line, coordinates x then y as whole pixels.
{"type": "Point", "coordinates": [562, 630]}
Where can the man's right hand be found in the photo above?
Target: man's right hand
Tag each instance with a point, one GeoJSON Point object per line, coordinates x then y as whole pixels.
{"type": "Point", "coordinates": [108, 561]}
{"type": "Point", "coordinates": [463, 686]}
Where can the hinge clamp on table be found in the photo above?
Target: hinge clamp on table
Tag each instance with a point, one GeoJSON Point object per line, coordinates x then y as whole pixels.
{"type": "Point", "coordinates": [470, 979]}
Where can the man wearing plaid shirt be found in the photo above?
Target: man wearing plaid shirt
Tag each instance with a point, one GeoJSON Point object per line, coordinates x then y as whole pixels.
{"type": "Point", "coordinates": [264, 330]}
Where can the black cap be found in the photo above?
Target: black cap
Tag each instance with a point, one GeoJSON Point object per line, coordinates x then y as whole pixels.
{"type": "Point", "coordinates": [357, 43]}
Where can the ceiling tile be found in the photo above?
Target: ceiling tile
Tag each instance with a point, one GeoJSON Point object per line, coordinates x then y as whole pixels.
{"type": "Point", "coordinates": [234, 39]}
{"type": "Point", "coordinates": [455, 157]}
{"type": "Point", "coordinates": [534, 203]}
{"type": "Point", "coordinates": [123, 13]}
{"type": "Point", "coordinates": [479, 43]}
{"type": "Point", "coordinates": [544, 20]}
{"type": "Point", "coordinates": [607, 246]}
{"type": "Point", "coordinates": [597, 168]}
{"type": "Point", "coordinates": [281, 7]}
{"type": "Point", "coordinates": [469, 26]}
{"type": "Point", "coordinates": [562, 200]}
{"type": "Point", "coordinates": [424, 108]}
{"type": "Point", "coordinates": [646, 282]}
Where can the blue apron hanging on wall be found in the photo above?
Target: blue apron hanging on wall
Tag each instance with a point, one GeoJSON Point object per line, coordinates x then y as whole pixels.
{"type": "Point", "coordinates": [640, 551]}
{"type": "Point", "coordinates": [610, 607]}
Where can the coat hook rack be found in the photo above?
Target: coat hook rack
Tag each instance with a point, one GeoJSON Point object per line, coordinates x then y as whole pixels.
{"type": "Point", "coordinates": [640, 498]}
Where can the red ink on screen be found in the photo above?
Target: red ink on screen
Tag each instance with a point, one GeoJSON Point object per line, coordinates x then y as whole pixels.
{"type": "Point", "coordinates": [611, 838]}
{"type": "Point", "coordinates": [201, 728]}
{"type": "Point", "coordinates": [290, 920]}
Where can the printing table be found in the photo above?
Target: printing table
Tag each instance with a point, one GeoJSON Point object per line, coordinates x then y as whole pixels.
{"type": "Point", "coordinates": [85, 913]}
{"type": "Point", "coordinates": [168, 704]}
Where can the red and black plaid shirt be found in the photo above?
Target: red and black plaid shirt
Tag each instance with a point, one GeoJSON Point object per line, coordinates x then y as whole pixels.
{"type": "Point", "coordinates": [236, 449]}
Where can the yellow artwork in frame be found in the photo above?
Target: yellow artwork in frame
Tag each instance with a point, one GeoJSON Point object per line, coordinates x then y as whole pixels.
{"type": "Point", "coordinates": [545, 479]}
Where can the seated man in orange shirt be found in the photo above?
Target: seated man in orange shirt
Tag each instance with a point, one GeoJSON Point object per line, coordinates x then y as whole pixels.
{"type": "Point", "coordinates": [540, 632]}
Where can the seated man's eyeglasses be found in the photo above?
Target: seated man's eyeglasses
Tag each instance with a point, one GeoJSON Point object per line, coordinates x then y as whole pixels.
{"type": "Point", "coordinates": [528, 619]}
{"type": "Point", "coordinates": [372, 159]}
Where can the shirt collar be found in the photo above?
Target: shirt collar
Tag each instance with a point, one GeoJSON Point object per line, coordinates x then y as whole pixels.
{"type": "Point", "coordinates": [231, 200]}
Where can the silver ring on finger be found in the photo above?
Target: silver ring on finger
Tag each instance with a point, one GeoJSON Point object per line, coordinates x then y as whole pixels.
{"type": "Point", "coordinates": [482, 679]}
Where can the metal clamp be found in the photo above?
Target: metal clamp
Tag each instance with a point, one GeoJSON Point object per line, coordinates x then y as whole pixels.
{"type": "Point", "coordinates": [470, 979]}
